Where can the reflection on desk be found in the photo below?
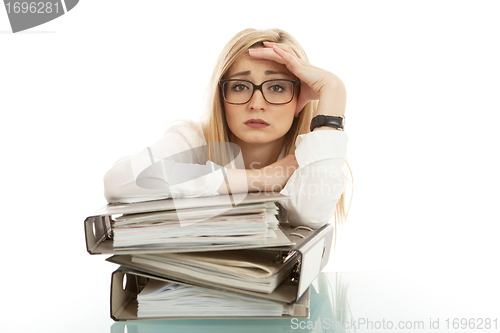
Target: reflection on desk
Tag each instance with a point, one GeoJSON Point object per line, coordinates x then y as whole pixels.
{"type": "Point", "coordinates": [398, 301]}
{"type": "Point", "coordinates": [322, 295]}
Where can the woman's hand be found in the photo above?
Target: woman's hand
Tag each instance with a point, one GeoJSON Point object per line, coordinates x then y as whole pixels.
{"type": "Point", "coordinates": [316, 83]}
{"type": "Point", "coordinates": [267, 179]}
{"type": "Point", "coordinates": [275, 176]}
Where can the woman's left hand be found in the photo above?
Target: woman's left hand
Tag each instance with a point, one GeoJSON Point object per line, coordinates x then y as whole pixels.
{"type": "Point", "coordinates": [316, 83]}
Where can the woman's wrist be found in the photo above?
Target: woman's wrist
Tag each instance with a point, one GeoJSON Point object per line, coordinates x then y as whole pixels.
{"type": "Point", "coordinates": [261, 180]}
{"type": "Point", "coordinates": [332, 100]}
{"type": "Point", "coordinates": [241, 181]}
{"type": "Point", "coordinates": [327, 128]}
{"type": "Point", "coordinates": [255, 180]}
{"type": "Point", "coordinates": [322, 122]}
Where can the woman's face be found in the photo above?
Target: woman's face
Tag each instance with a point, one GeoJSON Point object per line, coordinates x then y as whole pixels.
{"type": "Point", "coordinates": [241, 118]}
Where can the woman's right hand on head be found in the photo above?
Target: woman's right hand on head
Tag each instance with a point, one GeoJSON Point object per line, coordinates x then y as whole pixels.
{"type": "Point", "coordinates": [275, 176]}
{"type": "Point", "coordinates": [316, 83]}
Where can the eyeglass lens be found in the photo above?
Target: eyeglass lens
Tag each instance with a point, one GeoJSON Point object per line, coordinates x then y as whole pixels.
{"type": "Point", "coordinates": [274, 91]}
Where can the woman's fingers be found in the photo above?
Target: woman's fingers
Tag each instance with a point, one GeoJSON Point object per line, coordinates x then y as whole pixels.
{"type": "Point", "coordinates": [266, 53]}
{"type": "Point", "coordinates": [278, 173]}
{"type": "Point", "coordinates": [279, 55]}
{"type": "Point", "coordinates": [313, 79]}
{"type": "Point", "coordinates": [304, 72]}
{"type": "Point", "coordinates": [291, 61]}
{"type": "Point", "coordinates": [283, 46]}
{"type": "Point", "coordinates": [284, 51]}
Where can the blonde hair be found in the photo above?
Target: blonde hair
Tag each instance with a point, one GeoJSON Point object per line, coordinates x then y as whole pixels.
{"type": "Point", "coordinates": [214, 124]}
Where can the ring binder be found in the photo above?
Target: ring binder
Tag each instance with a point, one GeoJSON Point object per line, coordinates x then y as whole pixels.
{"type": "Point", "coordinates": [123, 304]}
{"type": "Point", "coordinates": [99, 230]}
{"type": "Point", "coordinates": [304, 251]}
{"type": "Point", "coordinates": [312, 254]}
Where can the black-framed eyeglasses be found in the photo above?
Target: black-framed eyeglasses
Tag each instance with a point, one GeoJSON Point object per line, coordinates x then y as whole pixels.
{"type": "Point", "coordinates": [275, 92]}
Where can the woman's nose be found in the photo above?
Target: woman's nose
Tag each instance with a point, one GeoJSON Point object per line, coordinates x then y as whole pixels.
{"type": "Point", "coordinates": [257, 102]}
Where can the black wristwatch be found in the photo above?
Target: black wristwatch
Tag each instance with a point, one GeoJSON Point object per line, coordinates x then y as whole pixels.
{"type": "Point", "coordinates": [330, 121]}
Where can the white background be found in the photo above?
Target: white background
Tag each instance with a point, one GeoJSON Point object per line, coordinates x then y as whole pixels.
{"type": "Point", "coordinates": [82, 91]}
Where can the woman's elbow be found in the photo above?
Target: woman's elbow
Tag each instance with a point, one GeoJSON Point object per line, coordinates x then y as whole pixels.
{"type": "Point", "coordinates": [312, 217]}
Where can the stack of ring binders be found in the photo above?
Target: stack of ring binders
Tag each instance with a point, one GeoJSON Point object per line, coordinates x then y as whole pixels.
{"type": "Point", "coordinates": [264, 278]}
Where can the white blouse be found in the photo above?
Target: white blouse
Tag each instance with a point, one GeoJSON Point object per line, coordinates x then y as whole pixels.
{"type": "Point", "coordinates": [315, 187]}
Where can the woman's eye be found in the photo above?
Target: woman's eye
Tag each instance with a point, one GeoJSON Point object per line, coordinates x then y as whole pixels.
{"type": "Point", "coordinates": [239, 87]}
{"type": "Point", "coordinates": [276, 88]}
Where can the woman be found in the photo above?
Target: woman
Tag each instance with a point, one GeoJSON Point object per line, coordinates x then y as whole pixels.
{"type": "Point", "coordinates": [264, 95]}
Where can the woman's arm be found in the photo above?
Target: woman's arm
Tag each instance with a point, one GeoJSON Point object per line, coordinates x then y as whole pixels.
{"type": "Point", "coordinates": [312, 178]}
{"type": "Point", "coordinates": [270, 178]}
{"type": "Point", "coordinates": [318, 183]}
{"type": "Point", "coordinates": [134, 178]}
{"type": "Point", "coordinates": [153, 173]}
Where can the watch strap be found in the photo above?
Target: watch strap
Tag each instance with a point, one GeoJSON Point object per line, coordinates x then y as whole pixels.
{"type": "Point", "coordinates": [330, 121]}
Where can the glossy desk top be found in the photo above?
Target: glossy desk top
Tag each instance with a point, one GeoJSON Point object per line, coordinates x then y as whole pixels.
{"type": "Point", "coordinates": [398, 301]}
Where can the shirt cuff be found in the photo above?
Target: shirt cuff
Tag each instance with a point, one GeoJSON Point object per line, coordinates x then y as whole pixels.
{"type": "Point", "coordinates": [320, 145]}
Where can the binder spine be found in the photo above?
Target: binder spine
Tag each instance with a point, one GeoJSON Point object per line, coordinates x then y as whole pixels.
{"type": "Point", "coordinates": [315, 253]}
{"type": "Point", "coordinates": [123, 296]}
{"type": "Point", "coordinates": [97, 230]}
{"type": "Point", "coordinates": [126, 284]}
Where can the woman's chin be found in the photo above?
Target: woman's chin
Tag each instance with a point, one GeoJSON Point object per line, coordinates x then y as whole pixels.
{"type": "Point", "coordinates": [259, 140]}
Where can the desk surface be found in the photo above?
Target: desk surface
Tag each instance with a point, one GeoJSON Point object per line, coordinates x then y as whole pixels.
{"type": "Point", "coordinates": [399, 301]}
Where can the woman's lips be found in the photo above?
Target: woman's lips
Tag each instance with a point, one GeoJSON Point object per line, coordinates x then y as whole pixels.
{"type": "Point", "coordinates": [256, 123]}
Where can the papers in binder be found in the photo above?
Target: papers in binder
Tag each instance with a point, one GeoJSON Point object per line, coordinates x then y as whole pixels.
{"type": "Point", "coordinates": [164, 299]}
{"type": "Point", "coordinates": [255, 270]}
{"type": "Point", "coordinates": [185, 228]}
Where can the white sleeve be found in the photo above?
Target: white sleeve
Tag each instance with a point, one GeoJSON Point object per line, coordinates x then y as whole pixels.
{"type": "Point", "coordinates": [316, 186]}
{"type": "Point", "coordinates": [175, 159]}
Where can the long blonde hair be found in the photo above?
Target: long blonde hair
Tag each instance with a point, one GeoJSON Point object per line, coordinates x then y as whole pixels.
{"type": "Point", "coordinates": [214, 124]}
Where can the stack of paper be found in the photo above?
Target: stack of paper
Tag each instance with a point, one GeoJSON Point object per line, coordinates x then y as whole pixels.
{"type": "Point", "coordinates": [177, 229]}
{"type": "Point", "coordinates": [255, 270]}
{"type": "Point", "coordinates": [163, 299]}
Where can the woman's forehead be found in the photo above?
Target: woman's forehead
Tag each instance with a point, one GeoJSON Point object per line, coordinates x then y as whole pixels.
{"type": "Point", "coordinates": [245, 63]}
